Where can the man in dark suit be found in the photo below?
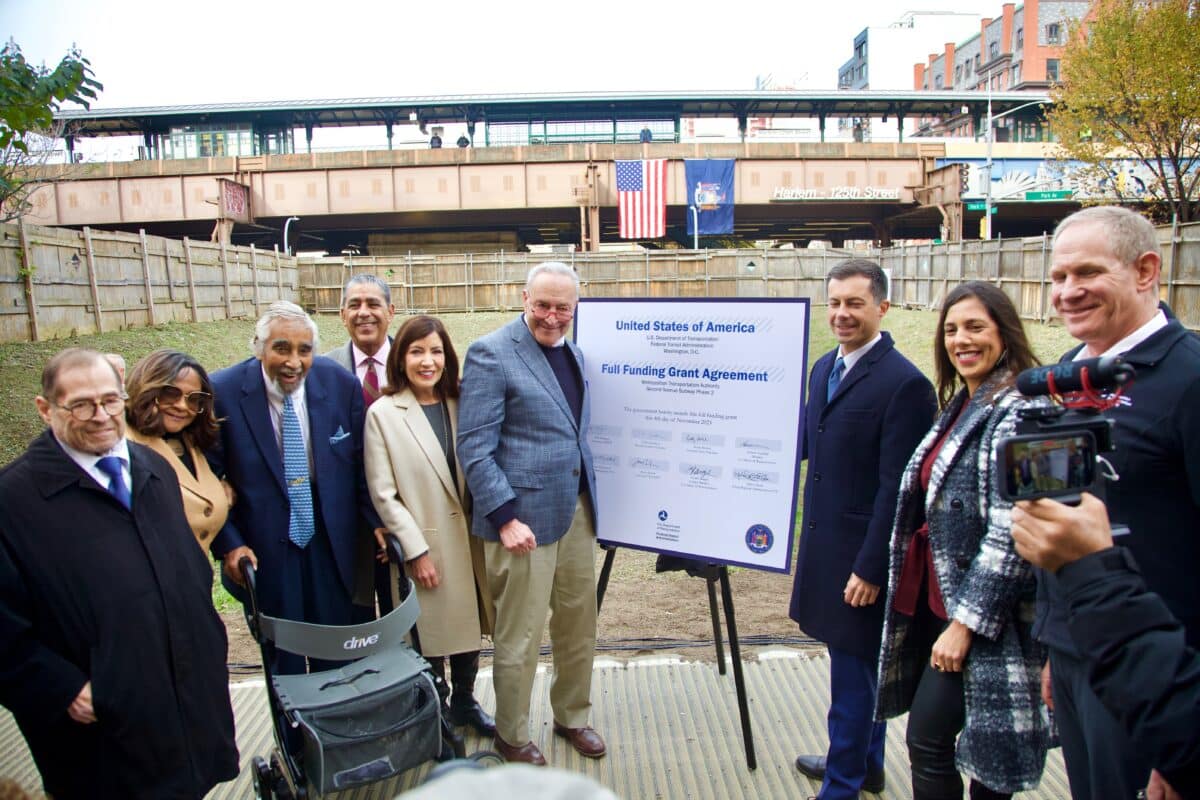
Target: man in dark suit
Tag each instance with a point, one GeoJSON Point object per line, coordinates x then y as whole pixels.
{"type": "Point", "coordinates": [112, 659]}
{"type": "Point", "coordinates": [291, 446]}
{"type": "Point", "coordinates": [522, 440]}
{"type": "Point", "coordinates": [867, 411]}
{"type": "Point", "coordinates": [367, 313]}
{"type": "Point", "coordinates": [1104, 271]}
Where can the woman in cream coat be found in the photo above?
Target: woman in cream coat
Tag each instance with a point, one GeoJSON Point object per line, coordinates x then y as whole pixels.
{"type": "Point", "coordinates": [170, 410]}
{"type": "Point", "coordinates": [419, 490]}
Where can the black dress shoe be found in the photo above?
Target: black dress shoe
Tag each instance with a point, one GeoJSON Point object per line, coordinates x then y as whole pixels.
{"type": "Point", "coordinates": [469, 712]}
{"type": "Point", "coordinates": [814, 767]}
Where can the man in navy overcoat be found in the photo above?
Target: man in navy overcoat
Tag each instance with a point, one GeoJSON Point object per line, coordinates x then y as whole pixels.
{"type": "Point", "coordinates": [867, 410]}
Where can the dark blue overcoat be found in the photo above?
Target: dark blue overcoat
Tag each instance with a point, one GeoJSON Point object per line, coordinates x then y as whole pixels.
{"type": "Point", "coordinates": [857, 445]}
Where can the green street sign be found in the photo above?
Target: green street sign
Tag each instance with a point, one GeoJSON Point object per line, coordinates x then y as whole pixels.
{"type": "Point", "coordinates": [1056, 194]}
{"type": "Point", "coordinates": [979, 207]}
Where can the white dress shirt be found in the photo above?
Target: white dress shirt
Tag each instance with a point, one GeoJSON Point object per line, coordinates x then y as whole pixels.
{"type": "Point", "coordinates": [275, 404]}
{"type": "Point", "coordinates": [1153, 326]}
{"type": "Point", "coordinates": [849, 360]}
{"type": "Point", "coordinates": [360, 363]}
{"type": "Point", "coordinates": [87, 462]}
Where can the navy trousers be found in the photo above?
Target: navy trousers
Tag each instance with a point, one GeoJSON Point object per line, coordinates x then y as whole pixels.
{"type": "Point", "coordinates": [855, 739]}
{"type": "Point", "coordinates": [318, 597]}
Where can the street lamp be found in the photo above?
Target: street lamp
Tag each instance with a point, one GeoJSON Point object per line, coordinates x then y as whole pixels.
{"type": "Point", "coordinates": [286, 249]}
{"type": "Point", "coordinates": [987, 168]}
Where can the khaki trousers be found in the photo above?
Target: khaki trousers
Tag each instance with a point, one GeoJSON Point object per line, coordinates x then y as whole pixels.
{"type": "Point", "coordinates": [558, 578]}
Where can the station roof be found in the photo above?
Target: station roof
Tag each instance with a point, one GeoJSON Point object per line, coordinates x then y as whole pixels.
{"type": "Point", "coordinates": [571, 106]}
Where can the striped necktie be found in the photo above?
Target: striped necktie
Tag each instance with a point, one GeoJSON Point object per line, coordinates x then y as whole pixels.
{"type": "Point", "coordinates": [370, 382]}
{"type": "Point", "coordinates": [295, 473]}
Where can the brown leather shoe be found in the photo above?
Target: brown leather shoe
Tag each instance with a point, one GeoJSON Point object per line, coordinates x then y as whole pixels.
{"type": "Point", "coordinates": [527, 753]}
{"type": "Point", "coordinates": [585, 740]}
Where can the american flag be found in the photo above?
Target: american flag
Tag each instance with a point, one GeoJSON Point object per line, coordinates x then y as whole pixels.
{"type": "Point", "coordinates": [642, 198]}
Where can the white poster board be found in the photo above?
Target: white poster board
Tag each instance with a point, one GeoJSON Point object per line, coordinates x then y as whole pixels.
{"type": "Point", "coordinates": [696, 408]}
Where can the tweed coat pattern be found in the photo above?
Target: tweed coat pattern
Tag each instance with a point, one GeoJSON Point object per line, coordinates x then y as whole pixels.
{"type": "Point", "coordinates": [985, 585]}
{"type": "Point", "coordinates": [517, 437]}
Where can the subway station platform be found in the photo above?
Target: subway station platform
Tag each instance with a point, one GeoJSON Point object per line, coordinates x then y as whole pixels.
{"type": "Point", "coordinates": [671, 725]}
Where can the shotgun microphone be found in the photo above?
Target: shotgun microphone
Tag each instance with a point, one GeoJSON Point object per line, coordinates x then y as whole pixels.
{"type": "Point", "coordinates": [1106, 372]}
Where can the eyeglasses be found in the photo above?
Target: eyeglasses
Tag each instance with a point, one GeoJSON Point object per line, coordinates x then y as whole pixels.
{"type": "Point", "coordinates": [84, 410]}
{"type": "Point", "coordinates": [542, 309]}
{"type": "Point", "coordinates": [170, 395]}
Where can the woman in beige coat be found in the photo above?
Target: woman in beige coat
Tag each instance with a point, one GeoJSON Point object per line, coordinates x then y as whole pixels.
{"type": "Point", "coordinates": [170, 410]}
{"type": "Point", "coordinates": [419, 490]}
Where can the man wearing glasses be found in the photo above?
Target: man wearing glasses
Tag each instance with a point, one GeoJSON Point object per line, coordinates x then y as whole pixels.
{"type": "Point", "coordinates": [112, 659]}
{"type": "Point", "coordinates": [522, 439]}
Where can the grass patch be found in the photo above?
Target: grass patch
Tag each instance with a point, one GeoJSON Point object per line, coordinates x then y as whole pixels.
{"type": "Point", "coordinates": [224, 342]}
{"type": "Point", "coordinates": [221, 343]}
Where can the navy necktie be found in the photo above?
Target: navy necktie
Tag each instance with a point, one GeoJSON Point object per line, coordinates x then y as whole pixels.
{"type": "Point", "coordinates": [301, 526]}
{"type": "Point", "coordinates": [115, 470]}
{"type": "Point", "coordinates": [835, 378]}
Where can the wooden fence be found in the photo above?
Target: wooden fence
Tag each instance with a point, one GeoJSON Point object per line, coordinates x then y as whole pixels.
{"type": "Point", "coordinates": [921, 275]}
{"type": "Point", "coordinates": [493, 281]}
{"type": "Point", "coordinates": [59, 282]}
{"type": "Point", "coordinates": [82, 282]}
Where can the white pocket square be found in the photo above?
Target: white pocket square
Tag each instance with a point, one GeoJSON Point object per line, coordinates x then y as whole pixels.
{"type": "Point", "coordinates": [337, 437]}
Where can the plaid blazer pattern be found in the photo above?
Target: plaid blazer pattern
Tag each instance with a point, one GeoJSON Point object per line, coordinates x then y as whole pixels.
{"type": "Point", "coordinates": [985, 585]}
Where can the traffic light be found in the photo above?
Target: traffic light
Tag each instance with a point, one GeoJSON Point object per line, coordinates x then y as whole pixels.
{"type": "Point", "coordinates": [964, 179]}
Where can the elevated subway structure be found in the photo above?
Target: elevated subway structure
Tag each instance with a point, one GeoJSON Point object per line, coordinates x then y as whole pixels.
{"type": "Point", "coordinates": [527, 191]}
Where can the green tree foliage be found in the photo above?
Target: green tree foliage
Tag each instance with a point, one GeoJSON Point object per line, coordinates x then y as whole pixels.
{"type": "Point", "coordinates": [29, 96]}
{"type": "Point", "coordinates": [1131, 73]}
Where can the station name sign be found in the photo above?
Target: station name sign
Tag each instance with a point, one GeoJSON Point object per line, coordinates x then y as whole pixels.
{"type": "Point", "coordinates": [793, 194]}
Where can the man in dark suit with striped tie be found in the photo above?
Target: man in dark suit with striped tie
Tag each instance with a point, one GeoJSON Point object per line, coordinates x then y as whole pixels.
{"type": "Point", "coordinates": [868, 408]}
{"type": "Point", "coordinates": [367, 313]}
{"type": "Point", "coordinates": [291, 447]}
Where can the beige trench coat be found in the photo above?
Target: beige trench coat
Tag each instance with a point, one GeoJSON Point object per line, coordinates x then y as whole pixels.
{"type": "Point", "coordinates": [412, 490]}
{"type": "Point", "coordinates": [204, 500]}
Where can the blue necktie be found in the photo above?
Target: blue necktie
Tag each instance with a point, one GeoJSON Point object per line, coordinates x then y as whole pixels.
{"type": "Point", "coordinates": [835, 378]}
{"type": "Point", "coordinates": [115, 470]}
{"type": "Point", "coordinates": [295, 473]}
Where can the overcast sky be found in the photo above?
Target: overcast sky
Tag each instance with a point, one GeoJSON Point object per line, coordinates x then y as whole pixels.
{"type": "Point", "coordinates": [222, 51]}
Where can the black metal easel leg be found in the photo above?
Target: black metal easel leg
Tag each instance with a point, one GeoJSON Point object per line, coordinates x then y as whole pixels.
{"type": "Point", "coordinates": [716, 623]}
{"type": "Point", "coordinates": [739, 680]}
{"type": "Point", "coordinates": [602, 582]}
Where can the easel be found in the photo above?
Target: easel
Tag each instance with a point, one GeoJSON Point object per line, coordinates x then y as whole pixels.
{"type": "Point", "coordinates": [712, 574]}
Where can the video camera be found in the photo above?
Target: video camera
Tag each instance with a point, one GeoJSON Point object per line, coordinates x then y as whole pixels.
{"type": "Point", "coordinates": [1057, 449]}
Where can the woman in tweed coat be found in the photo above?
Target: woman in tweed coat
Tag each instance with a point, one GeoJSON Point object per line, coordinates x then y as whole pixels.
{"type": "Point", "coordinates": [958, 652]}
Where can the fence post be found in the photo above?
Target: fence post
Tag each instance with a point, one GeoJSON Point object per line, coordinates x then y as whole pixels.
{"type": "Point", "coordinates": [27, 270]}
{"type": "Point", "coordinates": [1042, 314]}
{"type": "Point", "coordinates": [90, 255]}
{"type": "Point", "coordinates": [499, 278]}
{"type": "Point", "coordinates": [167, 270]}
{"type": "Point", "coordinates": [1174, 261]}
{"type": "Point", "coordinates": [254, 277]}
{"type": "Point", "coordinates": [146, 278]}
{"type": "Point", "coordinates": [470, 276]}
{"type": "Point", "coordinates": [278, 275]}
{"type": "Point", "coordinates": [408, 263]}
{"type": "Point", "coordinates": [191, 278]}
{"type": "Point", "coordinates": [225, 279]}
